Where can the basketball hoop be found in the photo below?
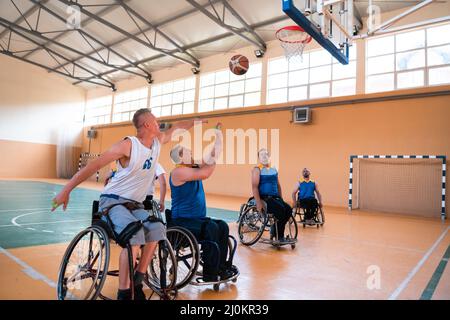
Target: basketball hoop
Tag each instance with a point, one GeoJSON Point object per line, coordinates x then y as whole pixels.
{"type": "Point", "coordinates": [293, 39]}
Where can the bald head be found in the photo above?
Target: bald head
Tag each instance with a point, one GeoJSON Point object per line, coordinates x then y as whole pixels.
{"type": "Point", "coordinates": [140, 116]}
{"type": "Point", "coordinates": [145, 122]}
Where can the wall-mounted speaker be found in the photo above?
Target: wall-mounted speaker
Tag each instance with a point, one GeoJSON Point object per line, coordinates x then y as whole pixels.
{"type": "Point", "coordinates": [92, 133]}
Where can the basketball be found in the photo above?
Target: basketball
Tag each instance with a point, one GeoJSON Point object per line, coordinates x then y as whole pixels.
{"type": "Point", "coordinates": [239, 64]}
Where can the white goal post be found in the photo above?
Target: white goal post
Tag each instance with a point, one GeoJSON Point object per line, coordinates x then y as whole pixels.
{"type": "Point", "coordinates": [439, 173]}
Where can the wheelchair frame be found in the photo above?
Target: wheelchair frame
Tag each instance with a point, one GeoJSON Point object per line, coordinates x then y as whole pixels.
{"type": "Point", "coordinates": [180, 239]}
{"type": "Point", "coordinates": [318, 219]}
{"type": "Point", "coordinates": [248, 214]}
{"type": "Point", "coordinates": [104, 233]}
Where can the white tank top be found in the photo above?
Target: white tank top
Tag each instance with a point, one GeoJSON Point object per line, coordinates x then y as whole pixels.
{"type": "Point", "coordinates": [134, 181]}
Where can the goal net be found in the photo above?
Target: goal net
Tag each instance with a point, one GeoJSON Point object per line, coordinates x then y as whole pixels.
{"type": "Point", "coordinates": [85, 159]}
{"type": "Point", "coordinates": [411, 186]}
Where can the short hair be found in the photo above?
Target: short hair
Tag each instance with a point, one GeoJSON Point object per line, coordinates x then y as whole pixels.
{"type": "Point", "coordinates": [137, 115]}
{"type": "Point", "coordinates": [175, 154]}
{"type": "Point", "coordinates": [263, 149]}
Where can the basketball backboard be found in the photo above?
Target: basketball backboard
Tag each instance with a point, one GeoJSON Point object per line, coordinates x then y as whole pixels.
{"type": "Point", "coordinates": [330, 22]}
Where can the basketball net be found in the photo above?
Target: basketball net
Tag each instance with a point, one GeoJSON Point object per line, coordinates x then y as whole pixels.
{"type": "Point", "coordinates": [293, 40]}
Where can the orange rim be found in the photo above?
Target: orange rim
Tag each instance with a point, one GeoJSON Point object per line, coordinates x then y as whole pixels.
{"type": "Point", "coordinates": [293, 28]}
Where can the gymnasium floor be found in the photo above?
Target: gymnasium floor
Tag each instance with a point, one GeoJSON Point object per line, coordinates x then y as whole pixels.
{"type": "Point", "coordinates": [328, 263]}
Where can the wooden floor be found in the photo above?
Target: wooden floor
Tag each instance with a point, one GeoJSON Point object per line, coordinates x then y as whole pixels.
{"type": "Point", "coordinates": [336, 261]}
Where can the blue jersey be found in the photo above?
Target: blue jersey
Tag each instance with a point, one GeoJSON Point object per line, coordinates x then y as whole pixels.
{"type": "Point", "coordinates": [306, 189]}
{"type": "Point", "coordinates": [188, 200]}
{"type": "Point", "coordinates": [268, 181]}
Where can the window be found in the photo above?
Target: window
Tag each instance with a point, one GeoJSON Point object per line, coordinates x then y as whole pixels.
{"type": "Point", "coordinates": [126, 103]}
{"type": "Point", "coordinates": [223, 89]}
{"type": "Point", "coordinates": [98, 110]}
{"type": "Point", "coordinates": [317, 75]}
{"type": "Point", "coordinates": [173, 98]}
{"type": "Point", "coordinates": [411, 59]}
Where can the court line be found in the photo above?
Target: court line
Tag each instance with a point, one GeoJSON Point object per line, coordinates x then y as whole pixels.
{"type": "Point", "coordinates": [394, 295]}
{"type": "Point", "coordinates": [27, 269]}
{"type": "Point", "coordinates": [428, 293]}
{"type": "Point", "coordinates": [46, 208]}
{"type": "Point", "coordinates": [50, 222]}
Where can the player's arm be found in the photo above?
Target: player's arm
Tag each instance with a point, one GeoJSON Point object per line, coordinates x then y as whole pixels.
{"type": "Point", "coordinates": [294, 196]}
{"type": "Point", "coordinates": [162, 190]}
{"type": "Point", "coordinates": [117, 151]}
{"type": "Point", "coordinates": [186, 174]}
{"type": "Point", "coordinates": [255, 188]}
{"type": "Point", "coordinates": [319, 196]}
{"type": "Point", "coordinates": [166, 136]}
{"type": "Point", "coordinates": [280, 192]}
{"type": "Point", "coordinates": [217, 148]}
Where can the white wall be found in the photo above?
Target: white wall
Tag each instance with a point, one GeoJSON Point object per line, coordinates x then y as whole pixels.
{"type": "Point", "coordinates": [37, 106]}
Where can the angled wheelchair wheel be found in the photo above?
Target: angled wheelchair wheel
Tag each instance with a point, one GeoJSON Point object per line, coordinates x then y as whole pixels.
{"type": "Point", "coordinates": [187, 253]}
{"type": "Point", "coordinates": [300, 213]}
{"type": "Point", "coordinates": [162, 270]}
{"type": "Point", "coordinates": [291, 228]}
{"type": "Point", "coordinates": [251, 226]}
{"type": "Point", "coordinates": [84, 267]}
{"type": "Point", "coordinates": [320, 216]}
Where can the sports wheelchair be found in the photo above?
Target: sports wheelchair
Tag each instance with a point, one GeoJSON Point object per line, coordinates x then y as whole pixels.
{"type": "Point", "coordinates": [188, 252]}
{"type": "Point", "coordinates": [85, 265]}
{"type": "Point", "coordinates": [252, 225]}
{"type": "Point", "coordinates": [317, 220]}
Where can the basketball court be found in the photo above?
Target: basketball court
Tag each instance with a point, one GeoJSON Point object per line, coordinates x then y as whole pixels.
{"type": "Point", "coordinates": [356, 91]}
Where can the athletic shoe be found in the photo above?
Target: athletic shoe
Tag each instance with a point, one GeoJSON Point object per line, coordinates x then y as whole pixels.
{"type": "Point", "coordinates": [210, 278]}
{"type": "Point", "coordinates": [124, 294]}
{"type": "Point", "coordinates": [139, 292]}
{"type": "Point", "coordinates": [226, 274]}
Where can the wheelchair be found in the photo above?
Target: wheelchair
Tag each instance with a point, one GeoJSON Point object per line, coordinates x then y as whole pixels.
{"type": "Point", "coordinates": [85, 264]}
{"type": "Point", "coordinates": [188, 252]}
{"type": "Point", "coordinates": [318, 219]}
{"type": "Point", "coordinates": [252, 225]}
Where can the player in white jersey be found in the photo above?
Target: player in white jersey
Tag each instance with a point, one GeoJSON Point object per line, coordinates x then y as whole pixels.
{"type": "Point", "coordinates": [136, 159]}
{"type": "Point", "coordinates": [160, 176]}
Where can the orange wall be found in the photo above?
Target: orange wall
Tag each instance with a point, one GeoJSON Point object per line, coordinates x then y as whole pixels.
{"type": "Point", "coordinates": [407, 126]}
{"type": "Point", "coordinates": [38, 110]}
{"type": "Point", "coordinates": [27, 160]}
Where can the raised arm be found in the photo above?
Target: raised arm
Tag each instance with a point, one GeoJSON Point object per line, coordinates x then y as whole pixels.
{"type": "Point", "coordinates": [205, 170]}
{"type": "Point", "coordinates": [185, 174]}
{"type": "Point", "coordinates": [166, 136]}
{"type": "Point", "coordinates": [217, 148]}
{"type": "Point", "coordinates": [255, 188]}
{"type": "Point", "coordinates": [117, 151]}
{"type": "Point", "coordinates": [319, 196]}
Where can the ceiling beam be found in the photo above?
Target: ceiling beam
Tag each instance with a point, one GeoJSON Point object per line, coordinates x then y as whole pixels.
{"type": "Point", "coordinates": [211, 40]}
{"type": "Point", "coordinates": [157, 25]}
{"type": "Point", "coordinates": [129, 10]}
{"type": "Point", "coordinates": [85, 34]}
{"type": "Point", "coordinates": [258, 42]}
{"type": "Point", "coordinates": [102, 12]}
{"type": "Point", "coordinates": [53, 53]}
{"type": "Point", "coordinates": [27, 14]}
{"type": "Point", "coordinates": [48, 40]}
{"type": "Point", "coordinates": [126, 33]}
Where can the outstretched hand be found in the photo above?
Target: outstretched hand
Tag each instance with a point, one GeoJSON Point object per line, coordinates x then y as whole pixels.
{"type": "Point", "coordinates": [61, 198]}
